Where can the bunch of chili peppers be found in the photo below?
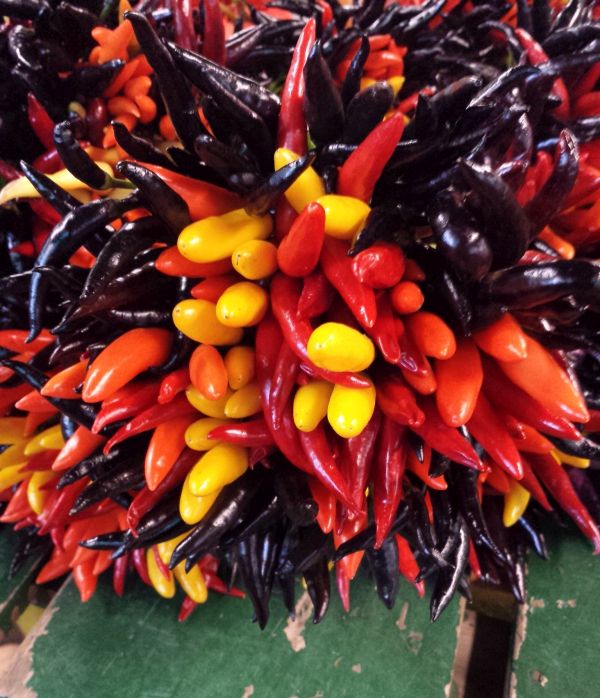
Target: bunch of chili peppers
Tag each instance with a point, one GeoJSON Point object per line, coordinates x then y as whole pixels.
{"type": "Point", "coordinates": [287, 284]}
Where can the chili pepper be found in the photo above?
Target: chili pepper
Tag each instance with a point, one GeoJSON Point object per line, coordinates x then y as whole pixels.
{"type": "Point", "coordinates": [126, 402]}
{"type": "Point", "coordinates": [298, 253]}
{"type": "Point", "coordinates": [507, 396]}
{"type": "Point", "coordinates": [503, 339]}
{"type": "Point", "coordinates": [164, 449]}
{"type": "Point", "coordinates": [556, 480]}
{"type": "Point", "coordinates": [384, 565]}
{"type": "Point", "coordinates": [211, 288]}
{"type": "Point", "coordinates": [244, 402]}
{"type": "Point", "coordinates": [449, 578]}
{"type": "Point", "coordinates": [310, 404]}
{"type": "Point", "coordinates": [173, 263]}
{"type": "Point", "coordinates": [208, 373]}
{"type": "Point", "coordinates": [582, 448]}
{"type": "Point", "coordinates": [73, 230]}
{"type": "Point", "coordinates": [543, 379]}
{"type": "Point", "coordinates": [178, 100]}
{"type": "Point", "coordinates": [291, 132]}
{"type": "Point", "coordinates": [351, 83]}
{"type": "Point", "coordinates": [388, 470]}
{"type": "Point", "coordinates": [443, 439]}
{"type": "Point", "coordinates": [350, 410]}
{"type": "Point", "coordinates": [398, 402]}
{"type": "Point", "coordinates": [164, 202]}
{"type": "Point", "coordinates": [139, 148]}
{"type": "Point", "coordinates": [64, 384]}
{"type": "Point", "coordinates": [282, 383]}
{"type": "Point", "coordinates": [316, 296]}
{"type": "Point", "coordinates": [408, 565]}
{"type": "Point", "coordinates": [248, 434]}
{"type": "Point", "coordinates": [459, 380]}
{"type": "Point", "coordinates": [380, 266]}
{"type": "Point", "coordinates": [242, 305]}
{"type": "Point", "coordinates": [323, 106]}
{"type": "Point", "coordinates": [124, 359]}
{"type": "Point", "coordinates": [151, 418]}
{"type": "Point", "coordinates": [57, 197]}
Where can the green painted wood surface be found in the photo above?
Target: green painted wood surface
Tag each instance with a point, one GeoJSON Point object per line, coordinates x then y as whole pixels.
{"type": "Point", "coordinates": [135, 647]}
{"type": "Point", "coordinates": [559, 655]}
{"type": "Point", "coordinates": [13, 592]}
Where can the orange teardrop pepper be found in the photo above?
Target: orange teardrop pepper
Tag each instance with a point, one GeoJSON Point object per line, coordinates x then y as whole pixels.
{"type": "Point", "coordinates": [431, 334]}
{"type": "Point", "coordinates": [64, 384]}
{"type": "Point", "coordinates": [165, 447]}
{"type": "Point", "coordinates": [459, 381]}
{"type": "Point", "coordinates": [208, 373]}
{"type": "Point", "coordinates": [503, 339]}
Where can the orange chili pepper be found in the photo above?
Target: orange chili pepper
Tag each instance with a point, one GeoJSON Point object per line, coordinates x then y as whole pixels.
{"type": "Point", "coordinates": [406, 297]}
{"type": "Point", "coordinates": [16, 340]}
{"type": "Point", "coordinates": [503, 339]}
{"type": "Point", "coordinates": [459, 380]}
{"type": "Point", "coordinates": [431, 334]}
{"type": "Point", "coordinates": [78, 447]}
{"type": "Point", "coordinates": [172, 263]}
{"type": "Point", "coordinates": [544, 380]}
{"type": "Point", "coordinates": [64, 384]}
{"type": "Point", "coordinates": [495, 477]}
{"type": "Point", "coordinates": [533, 441]}
{"type": "Point", "coordinates": [125, 358]}
{"type": "Point", "coordinates": [137, 86]}
{"type": "Point", "coordinates": [326, 503]}
{"type": "Point", "coordinates": [147, 108]}
{"type": "Point", "coordinates": [34, 420]}
{"type": "Point", "coordinates": [85, 581]}
{"type": "Point", "coordinates": [211, 289]}
{"type": "Point", "coordinates": [164, 449]}
{"type": "Point", "coordinates": [423, 382]}
{"type": "Point", "coordinates": [34, 402]}
{"type": "Point", "coordinates": [565, 249]}
{"type": "Point", "coordinates": [208, 373]}
{"type": "Point", "coordinates": [421, 469]}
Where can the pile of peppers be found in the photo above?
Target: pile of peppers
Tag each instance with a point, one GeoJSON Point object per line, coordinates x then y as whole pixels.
{"type": "Point", "coordinates": [289, 287]}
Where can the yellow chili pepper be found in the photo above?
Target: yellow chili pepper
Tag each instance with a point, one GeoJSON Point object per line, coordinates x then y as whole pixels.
{"type": "Point", "coordinates": [310, 404]}
{"type": "Point", "coordinates": [196, 433]}
{"type": "Point", "coordinates": [36, 494]}
{"type": "Point", "coordinates": [218, 467]}
{"type": "Point", "coordinates": [52, 439]}
{"type": "Point", "coordinates": [366, 82]}
{"type": "Point", "coordinates": [198, 320]}
{"type": "Point", "coordinates": [192, 582]}
{"type": "Point", "coordinates": [216, 237]}
{"type": "Point", "coordinates": [255, 259]}
{"type": "Point", "coordinates": [350, 410]}
{"type": "Point", "coordinates": [192, 509]}
{"type": "Point", "coordinates": [515, 503]}
{"type": "Point", "coordinates": [396, 83]}
{"type": "Point", "coordinates": [23, 188]}
{"type": "Point", "coordinates": [34, 445]}
{"type": "Point", "coordinates": [344, 215]}
{"type": "Point", "coordinates": [11, 475]}
{"type": "Point", "coordinates": [338, 347]}
{"type": "Point", "coordinates": [12, 429]}
{"type": "Point", "coordinates": [244, 402]}
{"type": "Point", "coordinates": [308, 187]}
{"type": "Point", "coordinates": [240, 364]}
{"type": "Point", "coordinates": [242, 305]}
{"type": "Point", "coordinates": [165, 586]}
{"type": "Point", "coordinates": [13, 455]}
{"type": "Point", "coordinates": [211, 408]}
{"type": "Point", "coordinates": [573, 461]}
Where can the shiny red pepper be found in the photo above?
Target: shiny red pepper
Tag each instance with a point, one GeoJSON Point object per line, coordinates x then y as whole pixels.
{"type": "Point", "coordinates": [384, 331]}
{"type": "Point", "coordinates": [41, 124]}
{"type": "Point", "coordinates": [127, 402]}
{"type": "Point", "coordinates": [172, 263]}
{"type": "Point", "coordinates": [299, 251]}
{"type": "Point", "coordinates": [249, 434]}
{"type": "Point", "coordinates": [388, 471]}
{"type": "Point", "coordinates": [407, 564]}
{"type": "Point", "coordinates": [398, 402]}
{"type": "Point", "coordinates": [282, 382]}
{"type": "Point", "coordinates": [358, 453]}
{"type": "Point", "coordinates": [359, 174]}
{"type": "Point", "coordinates": [173, 384]}
{"type": "Point", "coordinates": [316, 297]}
{"type": "Point", "coordinates": [165, 447]}
{"type": "Point", "coordinates": [213, 44]}
{"type": "Point", "coordinates": [533, 486]}
{"type": "Point", "coordinates": [379, 266]}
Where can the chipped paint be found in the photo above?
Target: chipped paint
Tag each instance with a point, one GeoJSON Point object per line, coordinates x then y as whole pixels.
{"type": "Point", "coordinates": [401, 622]}
{"type": "Point", "coordinates": [537, 603]}
{"type": "Point", "coordinates": [294, 629]}
{"type": "Point", "coordinates": [519, 639]}
{"type": "Point", "coordinates": [566, 603]}
{"type": "Point", "coordinates": [357, 668]}
{"type": "Point", "coordinates": [248, 691]}
{"type": "Point", "coordinates": [16, 674]}
{"type": "Point", "coordinates": [538, 677]}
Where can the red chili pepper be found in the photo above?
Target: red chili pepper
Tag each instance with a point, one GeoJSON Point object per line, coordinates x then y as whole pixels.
{"type": "Point", "coordinates": [213, 38]}
{"type": "Point", "coordinates": [208, 373]}
{"type": "Point", "coordinates": [173, 384]}
{"type": "Point", "coordinates": [384, 331]}
{"type": "Point", "coordinates": [141, 566]}
{"type": "Point", "coordinates": [212, 288]}
{"type": "Point", "coordinates": [352, 526]}
{"type": "Point", "coordinates": [291, 131]}
{"type": "Point", "coordinates": [421, 469]}
{"type": "Point", "coordinates": [398, 402]}
{"type": "Point", "coordinates": [358, 453]}
{"type": "Point", "coordinates": [8, 172]}
{"type": "Point", "coordinates": [250, 434]}
{"type": "Point", "coordinates": [96, 118]}
{"type": "Point", "coordinates": [316, 297]}
{"type": "Point", "coordinates": [532, 485]}
{"type": "Point", "coordinates": [495, 477]}
{"type": "Point", "coordinates": [536, 55]}
{"type": "Point", "coordinates": [186, 609]}
{"type": "Point", "coordinates": [423, 382]}
{"type": "Point", "coordinates": [326, 504]}
{"type": "Point", "coordinates": [443, 439]}
{"type": "Point", "coordinates": [508, 397]}
{"type": "Point", "coordinates": [18, 505]}
{"type": "Point", "coordinates": [285, 295]}
{"type": "Point", "coordinates": [337, 267]}
{"type": "Point", "coordinates": [379, 266]}
{"type": "Point", "coordinates": [586, 83]}
{"type": "Point", "coordinates": [119, 574]}
{"type": "Point", "coordinates": [41, 124]}
{"type": "Point", "coordinates": [408, 565]}
{"type": "Point", "coordinates": [58, 514]}
{"type": "Point", "coordinates": [459, 380]}
{"type": "Point", "coordinates": [388, 472]}
{"type": "Point", "coordinates": [473, 561]}
{"type": "Point", "coordinates": [282, 382]}
{"type": "Point", "coordinates": [165, 447]}
{"type": "Point", "coordinates": [299, 251]}
{"type": "Point", "coordinates": [557, 482]}
{"type": "Point", "coordinates": [490, 432]}
{"type": "Point", "coordinates": [48, 162]}
{"type": "Point", "coordinates": [359, 174]}
{"type": "Point", "coordinates": [151, 418]}
{"type": "Point", "coordinates": [285, 215]}
{"type": "Point", "coordinates": [127, 402]}
{"type": "Point", "coordinates": [125, 358]}
{"type": "Point", "coordinates": [431, 334]}
{"type": "Point", "coordinates": [322, 464]}
{"type": "Point", "coordinates": [214, 583]}
{"type": "Point", "coordinates": [533, 441]}
{"type": "Point", "coordinates": [343, 586]}
{"type": "Point", "coordinates": [172, 263]}
{"type": "Point", "coordinates": [16, 341]}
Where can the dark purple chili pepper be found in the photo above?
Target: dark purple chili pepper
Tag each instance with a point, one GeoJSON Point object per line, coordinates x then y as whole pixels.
{"type": "Point", "coordinates": [57, 197]}
{"type": "Point", "coordinates": [384, 567]}
{"type": "Point", "coordinates": [249, 561]}
{"type": "Point", "coordinates": [318, 585]}
{"type": "Point", "coordinates": [351, 84]}
{"type": "Point", "coordinates": [139, 148]}
{"type": "Point", "coordinates": [448, 578]}
{"type": "Point", "coordinates": [264, 197]}
{"type": "Point", "coordinates": [293, 493]}
{"type": "Point", "coordinates": [365, 110]}
{"type": "Point", "coordinates": [323, 106]}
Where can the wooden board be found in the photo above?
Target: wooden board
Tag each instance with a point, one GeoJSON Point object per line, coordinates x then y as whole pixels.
{"type": "Point", "coordinates": [557, 653]}
{"type": "Point", "coordinates": [135, 647]}
{"type": "Point", "coordinates": [13, 592]}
